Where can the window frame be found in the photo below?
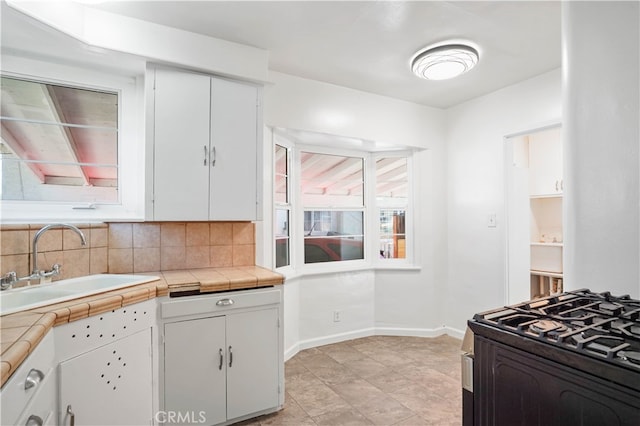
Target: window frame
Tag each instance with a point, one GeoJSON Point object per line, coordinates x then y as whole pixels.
{"type": "Point", "coordinates": [298, 211]}
{"type": "Point", "coordinates": [370, 209]}
{"type": "Point", "coordinates": [284, 206]}
{"type": "Point", "coordinates": [409, 258]}
{"type": "Point", "coordinates": [131, 144]}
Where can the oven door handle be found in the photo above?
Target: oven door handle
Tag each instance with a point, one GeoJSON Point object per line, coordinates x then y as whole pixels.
{"type": "Point", "coordinates": [467, 372]}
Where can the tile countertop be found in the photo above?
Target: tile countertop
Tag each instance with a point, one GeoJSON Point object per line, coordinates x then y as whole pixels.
{"type": "Point", "coordinates": [20, 332]}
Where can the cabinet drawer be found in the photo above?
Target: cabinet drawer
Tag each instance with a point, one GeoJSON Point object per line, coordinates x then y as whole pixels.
{"type": "Point", "coordinates": [219, 302]}
{"type": "Point", "coordinates": [41, 409]}
{"type": "Point", "coordinates": [14, 397]}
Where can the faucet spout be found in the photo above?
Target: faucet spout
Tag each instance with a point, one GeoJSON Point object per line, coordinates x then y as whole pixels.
{"type": "Point", "coordinates": [36, 237]}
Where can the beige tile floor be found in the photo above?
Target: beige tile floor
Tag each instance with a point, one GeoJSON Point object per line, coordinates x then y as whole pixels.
{"type": "Point", "coordinates": [378, 380]}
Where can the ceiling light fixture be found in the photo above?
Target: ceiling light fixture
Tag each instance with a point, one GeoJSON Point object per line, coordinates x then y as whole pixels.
{"type": "Point", "coordinates": [444, 61]}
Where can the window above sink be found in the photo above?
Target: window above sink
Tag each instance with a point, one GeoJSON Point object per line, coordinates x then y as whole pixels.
{"type": "Point", "coordinates": [59, 143]}
{"type": "Point", "coordinates": [72, 142]}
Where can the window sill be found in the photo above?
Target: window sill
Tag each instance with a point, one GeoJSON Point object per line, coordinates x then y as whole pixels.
{"type": "Point", "coordinates": [291, 273]}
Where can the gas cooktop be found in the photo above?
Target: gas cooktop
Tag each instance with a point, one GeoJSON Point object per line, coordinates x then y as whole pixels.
{"type": "Point", "coordinates": [597, 325]}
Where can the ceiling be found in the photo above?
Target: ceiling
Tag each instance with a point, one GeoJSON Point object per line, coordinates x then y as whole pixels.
{"type": "Point", "coordinates": [367, 45]}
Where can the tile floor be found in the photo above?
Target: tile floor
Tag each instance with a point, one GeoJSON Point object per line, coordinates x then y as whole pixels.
{"type": "Point", "coordinates": [378, 380]}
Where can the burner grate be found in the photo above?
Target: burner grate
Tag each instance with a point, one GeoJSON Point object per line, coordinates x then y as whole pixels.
{"type": "Point", "coordinates": [594, 324]}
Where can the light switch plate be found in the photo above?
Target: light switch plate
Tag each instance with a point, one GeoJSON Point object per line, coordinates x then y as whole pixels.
{"type": "Point", "coordinates": [492, 220]}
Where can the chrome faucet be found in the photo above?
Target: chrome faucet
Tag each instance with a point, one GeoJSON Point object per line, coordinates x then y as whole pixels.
{"type": "Point", "coordinates": [7, 281]}
{"type": "Point", "coordinates": [55, 268]}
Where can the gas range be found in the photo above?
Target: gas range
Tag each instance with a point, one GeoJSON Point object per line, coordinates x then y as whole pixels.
{"type": "Point", "coordinates": [598, 325]}
{"type": "Point", "coordinates": [570, 358]}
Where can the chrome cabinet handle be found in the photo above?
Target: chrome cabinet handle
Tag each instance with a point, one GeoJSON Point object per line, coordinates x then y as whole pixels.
{"type": "Point", "coordinates": [557, 186]}
{"type": "Point", "coordinates": [34, 420]}
{"type": "Point", "coordinates": [213, 160]}
{"type": "Point", "coordinates": [221, 359]}
{"type": "Point", "coordinates": [33, 378]}
{"type": "Point", "coordinates": [230, 356]}
{"type": "Point", "coordinates": [224, 302]}
{"type": "Point", "coordinates": [72, 414]}
{"type": "Point", "coordinates": [205, 155]}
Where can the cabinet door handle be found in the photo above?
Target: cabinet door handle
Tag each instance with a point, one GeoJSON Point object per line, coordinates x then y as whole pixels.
{"type": "Point", "coordinates": [230, 356]}
{"type": "Point", "coordinates": [557, 186]}
{"type": "Point", "coordinates": [221, 359]}
{"type": "Point", "coordinates": [33, 378]}
{"type": "Point", "coordinates": [205, 155]}
{"type": "Point", "coordinates": [213, 159]}
{"type": "Point", "coordinates": [224, 302]}
{"type": "Point", "coordinates": [562, 185]}
{"type": "Point", "coordinates": [34, 420]}
{"type": "Point", "coordinates": [70, 412]}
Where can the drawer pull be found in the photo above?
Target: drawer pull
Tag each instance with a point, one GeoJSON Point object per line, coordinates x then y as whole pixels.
{"type": "Point", "coordinates": [34, 420]}
{"type": "Point", "coordinates": [33, 378]}
{"type": "Point", "coordinates": [70, 412]}
{"type": "Point", "coordinates": [224, 302]}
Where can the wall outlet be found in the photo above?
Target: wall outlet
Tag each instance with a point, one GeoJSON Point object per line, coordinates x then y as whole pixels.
{"type": "Point", "coordinates": [336, 316]}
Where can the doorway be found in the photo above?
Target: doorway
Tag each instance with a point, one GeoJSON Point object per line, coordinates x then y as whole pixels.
{"type": "Point", "coordinates": [534, 200]}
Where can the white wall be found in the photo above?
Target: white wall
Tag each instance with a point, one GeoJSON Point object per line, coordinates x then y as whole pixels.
{"type": "Point", "coordinates": [394, 301]}
{"type": "Point", "coordinates": [298, 103]}
{"type": "Point", "coordinates": [476, 276]}
{"type": "Point", "coordinates": [409, 302]}
{"type": "Point", "coordinates": [601, 46]}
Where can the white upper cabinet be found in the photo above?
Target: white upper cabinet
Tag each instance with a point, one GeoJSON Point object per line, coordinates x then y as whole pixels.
{"type": "Point", "coordinates": [545, 163]}
{"type": "Point", "coordinates": [181, 144]}
{"type": "Point", "coordinates": [205, 139]}
{"type": "Point", "coordinates": [234, 136]}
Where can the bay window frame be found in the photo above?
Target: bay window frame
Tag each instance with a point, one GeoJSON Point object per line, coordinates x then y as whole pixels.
{"type": "Point", "coordinates": [288, 206]}
{"type": "Point", "coordinates": [409, 259]}
{"type": "Point", "coordinates": [298, 210]}
{"type": "Point", "coordinates": [370, 209]}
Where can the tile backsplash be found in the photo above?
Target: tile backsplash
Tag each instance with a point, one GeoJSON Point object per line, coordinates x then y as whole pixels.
{"type": "Point", "coordinates": [129, 247]}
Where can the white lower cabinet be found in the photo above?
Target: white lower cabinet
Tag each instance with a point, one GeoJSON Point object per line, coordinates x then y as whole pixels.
{"type": "Point", "coordinates": [110, 385]}
{"type": "Point", "coordinates": [29, 396]}
{"type": "Point", "coordinates": [105, 368]}
{"type": "Point", "coordinates": [224, 364]}
{"type": "Point", "coordinates": [195, 372]}
{"type": "Point", "coordinates": [252, 365]}
{"type": "Point", "coordinates": [220, 361]}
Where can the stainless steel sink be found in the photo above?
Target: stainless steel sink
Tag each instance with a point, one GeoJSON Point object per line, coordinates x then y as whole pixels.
{"type": "Point", "coordinates": [34, 296]}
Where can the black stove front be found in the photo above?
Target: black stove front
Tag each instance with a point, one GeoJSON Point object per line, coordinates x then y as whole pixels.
{"type": "Point", "coordinates": [572, 358]}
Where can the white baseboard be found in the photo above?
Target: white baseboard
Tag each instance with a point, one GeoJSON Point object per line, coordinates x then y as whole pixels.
{"type": "Point", "coordinates": [327, 340]}
{"type": "Point", "coordinates": [454, 332]}
{"type": "Point", "coordinates": [366, 332]}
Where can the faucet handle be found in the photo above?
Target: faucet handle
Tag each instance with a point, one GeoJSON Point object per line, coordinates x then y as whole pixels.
{"type": "Point", "coordinates": [7, 280]}
{"type": "Point", "coordinates": [55, 270]}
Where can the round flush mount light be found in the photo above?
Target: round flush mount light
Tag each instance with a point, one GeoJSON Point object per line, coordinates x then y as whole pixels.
{"type": "Point", "coordinates": [444, 61]}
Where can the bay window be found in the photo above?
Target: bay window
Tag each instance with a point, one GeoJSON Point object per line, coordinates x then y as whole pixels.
{"type": "Point", "coordinates": [351, 206]}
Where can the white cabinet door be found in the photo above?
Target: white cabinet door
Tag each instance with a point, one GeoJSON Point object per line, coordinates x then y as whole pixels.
{"type": "Point", "coordinates": [545, 162]}
{"type": "Point", "coordinates": [205, 148]}
{"type": "Point", "coordinates": [234, 140]}
{"type": "Point", "coordinates": [111, 385]}
{"type": "Point", "coordinates": [252, 373]}
{"type": "Point", "coordinates": [181, 146]}
{"type": "Point", "coordinates": [194, 370]}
